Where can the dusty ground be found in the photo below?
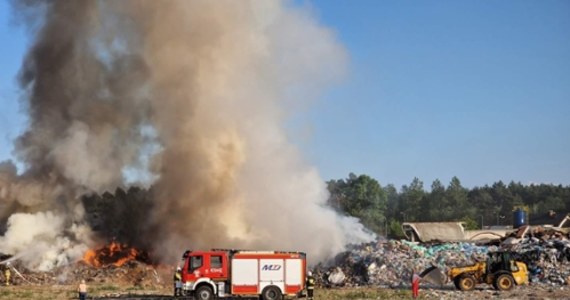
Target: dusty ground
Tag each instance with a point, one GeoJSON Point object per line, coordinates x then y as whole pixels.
{"type": "Point", "coordinates": [140, 281]}
{"type": "Point", "coordinates": [483, 292]}
{"type": "Point", "coordinates": [112, 291]}
{"type": "Point", "coordinates": [487, 292]}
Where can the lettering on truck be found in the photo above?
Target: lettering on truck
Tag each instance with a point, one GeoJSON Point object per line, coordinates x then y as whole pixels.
{"type": "Point", "coordinates": [271, 268]}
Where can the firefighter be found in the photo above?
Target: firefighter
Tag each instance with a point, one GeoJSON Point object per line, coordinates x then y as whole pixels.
{"type": "Point", "coordinates": [178, 282]}
{"type": "Point", "coordinates": [7, 273]}
{"type": "Point", "coordinates": [310, 285]}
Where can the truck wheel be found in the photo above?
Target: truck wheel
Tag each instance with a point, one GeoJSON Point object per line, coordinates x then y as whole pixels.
{"type": "Point", "coordinates": [204, 293]}
{"type": "Point", "coordinates": [466, 283]}
{"type": "Point", "coordinates": [271, 293]}
{"type": "Point", "coordinates": [504, 282]}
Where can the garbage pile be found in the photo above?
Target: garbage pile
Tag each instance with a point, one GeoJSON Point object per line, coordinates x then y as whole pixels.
{"type": "Point", "coordinates": [546, 253]}
{"type": "Point", "coordinates": [391, 263]}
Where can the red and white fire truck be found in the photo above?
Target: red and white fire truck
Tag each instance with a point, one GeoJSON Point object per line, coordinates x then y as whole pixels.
{"type": "Point", "coordinates": [225, 273]}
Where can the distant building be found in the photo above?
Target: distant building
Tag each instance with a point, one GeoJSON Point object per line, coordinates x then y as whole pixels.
{"type": "Point", "coordinates": [434, 231]}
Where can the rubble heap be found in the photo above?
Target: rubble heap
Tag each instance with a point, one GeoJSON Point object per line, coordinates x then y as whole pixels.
{"type": "Point", "coordinates": [391, 262]}
{"type": "Point", "coordinates": [546, 253]}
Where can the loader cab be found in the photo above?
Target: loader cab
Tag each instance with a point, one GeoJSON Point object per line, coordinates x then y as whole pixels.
{"type": "Point", "coordinates": [501, 261]}
{"type": "Point", "coordinates": [204, 264]}
{"type": "Point", "coordinates": [503, 271]}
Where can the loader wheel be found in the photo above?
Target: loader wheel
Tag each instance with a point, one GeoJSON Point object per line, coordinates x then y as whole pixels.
{"type": "Point", "coordinates": [271, 293]}
{"type": "Point", "coordinates": [504, 282]}
{"type": "Point", "coordinates": [204, 293]}
{"type": "Point", "coordinates": [466, 283]}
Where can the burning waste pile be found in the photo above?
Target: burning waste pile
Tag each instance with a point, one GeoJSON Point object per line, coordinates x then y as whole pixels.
{"type": "Point", "coordinates": [117, 262]}
{"type": "Point", "coordinates": [391, 262]}
{"type": "Point", "coordinates": [107, 265]}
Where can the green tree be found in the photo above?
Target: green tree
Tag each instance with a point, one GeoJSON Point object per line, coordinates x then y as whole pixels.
{"type": "Point", "coordinates": [506, 201]}
{"type": "Point", "coordinates": [469, 223]}
{"type": "Point", "coordinates": [457, 200]}
{"type": "Point", "coordinates": [435, 204]}
{"type": "Point", "coordinates": [411, 199]}
{"type": "Point", "coordinates": [361, 197]}
{"type": "Point", "coordinates": [487, 209]}
{"type": "Point", "coordinates": [551, 203]}
{"type": "Point", "coordinates": [395, 231]}
{"type": "Point", "coordinates": [393, 201]}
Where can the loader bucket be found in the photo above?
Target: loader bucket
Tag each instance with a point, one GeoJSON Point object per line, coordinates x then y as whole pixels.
{"type": "Point", "coordinates": [434, 275]}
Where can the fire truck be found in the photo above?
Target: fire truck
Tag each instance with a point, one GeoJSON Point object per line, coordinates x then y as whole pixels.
{"type": "Point", "coordinates": [221, 273]}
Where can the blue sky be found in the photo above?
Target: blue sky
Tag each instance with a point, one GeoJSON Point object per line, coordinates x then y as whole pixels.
{"type": "Point", "coordinates": [12, 49]}
{"type": "Point", "coordinates": [474, 89]}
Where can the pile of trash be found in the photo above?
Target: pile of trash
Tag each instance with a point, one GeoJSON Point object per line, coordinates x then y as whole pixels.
{"type": "Point", "coordinates": [391, 263]}
{"type": "Point", "coordinates": [546, 253]}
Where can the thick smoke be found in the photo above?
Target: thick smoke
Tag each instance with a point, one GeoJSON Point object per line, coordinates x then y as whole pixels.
{"type": "Point", "coordinates": [194, 93]}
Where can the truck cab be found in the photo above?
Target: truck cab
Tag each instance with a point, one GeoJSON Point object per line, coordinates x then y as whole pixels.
{"type": "Point", "coordinates": [205, 268]}
{"type": "Point", "coordinates": [211, 264]}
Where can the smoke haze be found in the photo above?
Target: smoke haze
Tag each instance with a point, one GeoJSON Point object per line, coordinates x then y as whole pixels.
{"type": "Point", "coordinates": [192, 96]}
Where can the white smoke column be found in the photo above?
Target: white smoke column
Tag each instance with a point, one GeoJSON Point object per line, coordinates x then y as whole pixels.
{"type": "Point", "coordinates": [42, 240]}
{"type": "Point", "coordinates": [222, 72]}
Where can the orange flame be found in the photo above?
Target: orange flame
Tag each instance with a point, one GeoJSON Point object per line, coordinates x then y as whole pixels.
{"type": "Point", "coordinates": [114, 254]}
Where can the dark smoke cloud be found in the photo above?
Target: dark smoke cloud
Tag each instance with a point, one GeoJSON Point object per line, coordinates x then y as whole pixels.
{"type": "Point", "coordinates": [204, 85]}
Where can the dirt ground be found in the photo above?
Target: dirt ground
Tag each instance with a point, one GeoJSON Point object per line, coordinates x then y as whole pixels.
{"type": "Point", "coordinates": [141, 281]}
{"type": "Point", "coordinates": [111, 291]}
{"type": "Point", "coordinates": [487, 292]}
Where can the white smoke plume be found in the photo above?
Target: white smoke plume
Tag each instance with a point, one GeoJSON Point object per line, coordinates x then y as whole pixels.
{"type": "Point", "coordinates": [208, 85]}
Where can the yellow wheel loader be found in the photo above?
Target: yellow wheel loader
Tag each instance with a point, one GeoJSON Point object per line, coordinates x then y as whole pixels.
{"type": "Point", "coordinates": [500, 270]}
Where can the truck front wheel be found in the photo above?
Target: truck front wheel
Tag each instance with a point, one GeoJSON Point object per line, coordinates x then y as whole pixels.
{"type": "Point", "coordinates": [466, 283]}
{"type": "Point", "coordinates": [204, 293]}
{"type": "Point", "coordinates": [271, 293]}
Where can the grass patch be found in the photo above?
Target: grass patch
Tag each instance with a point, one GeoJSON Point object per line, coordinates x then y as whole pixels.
{"type": "Point", "coordinates": [361, 294]}
{"type": "Point", "coordinates": [105, 288]}
{"type": "Point", "coordinates": [35, 293]}
{"type": "Point", "coordinates": [67, 292]}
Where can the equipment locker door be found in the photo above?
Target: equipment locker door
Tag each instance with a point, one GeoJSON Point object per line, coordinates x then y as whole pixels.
{"type": "Point", "coordinates": [271, 272]}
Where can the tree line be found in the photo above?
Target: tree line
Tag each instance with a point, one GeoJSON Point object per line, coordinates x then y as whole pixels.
{"type": "Point", "coordinates": [382, 209]}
